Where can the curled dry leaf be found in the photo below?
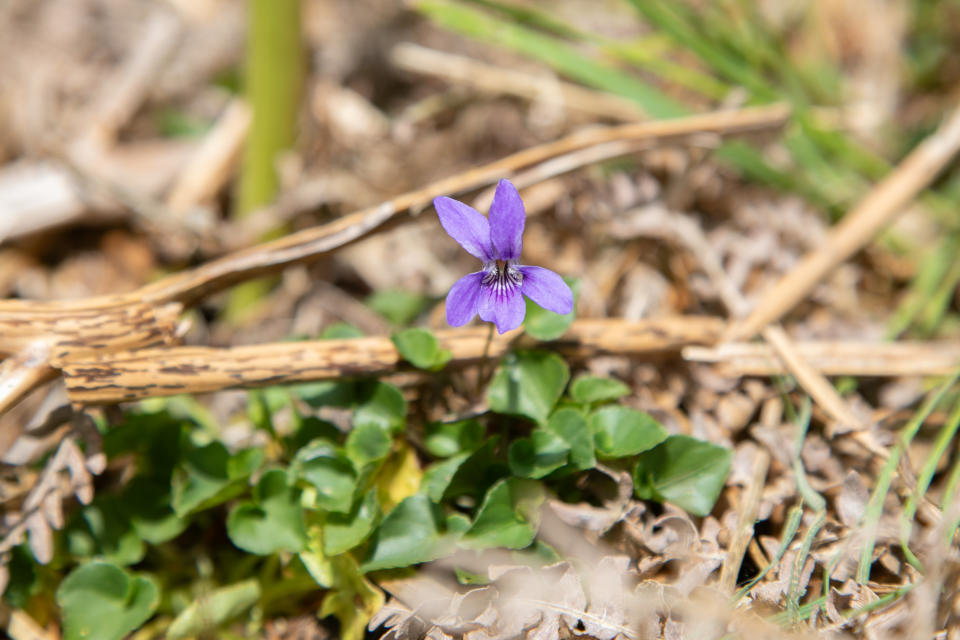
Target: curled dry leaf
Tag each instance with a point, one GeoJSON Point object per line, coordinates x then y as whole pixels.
{"type": "Point", "coordinates": [536, 603]}
{"type": "Point", "coordinates": [42, 510]}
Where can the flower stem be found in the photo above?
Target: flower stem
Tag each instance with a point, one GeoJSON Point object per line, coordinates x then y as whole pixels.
{"type": "Point", "coordinates": [484, 363]}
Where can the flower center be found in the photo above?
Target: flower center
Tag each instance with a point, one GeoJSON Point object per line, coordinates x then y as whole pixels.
{"type": "Point", "coordinates": [502, 275]}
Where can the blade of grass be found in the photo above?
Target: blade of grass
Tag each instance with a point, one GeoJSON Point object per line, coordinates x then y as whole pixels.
{"type": "Point", "coordinates": [934, 270]}
{"type": "Point", "coordinates": [647, 53]}
{"type": "Point", "coordinates": [790, 528]}
{"type": "Point", "coordinates": [793, 593]}
{"type": "Point", "coordinates": [807, 493]}
{"type": "Point", "coordinates": [939, 303]}
{"type": "Point", "coordinates": [676, 19]}
{"type": "Point", "coordinates": [940, 445]}
{"type": "Point", "coordinates": [947, 502]}
{"type": "Point", "coordinates": [561, 56]}
{"type": "Point", "coordinates": [874, 508]}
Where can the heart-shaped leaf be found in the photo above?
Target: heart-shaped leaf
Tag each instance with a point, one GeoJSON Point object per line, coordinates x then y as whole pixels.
{"type": "Point", "coordinates": [380, 404]}
{"type": "Point", "coordinates": [367, 443]}
{"type": "Point", "coordinates": [622, 431]}
{"type": "Point", "coordinates": [594, 389]}
{"type": "Point", "coordinates": [445, 439]}
{"type": "Point", "coordinates": [209, 475]}
{"type": "Point", "coordinates": [273, 521]}
{"type": "Point", "coordinates": [420, 348]}
{"type": "Point", "coordinates": [413, 532]}
{"type": "Point", "coordinates": [330, 472]}
{"type": "Point", "coordinates": [688, 472]}
{"type": "Point", "coordinates": [344, 531]}
{"type": "Point", "coordinates": [570, 425]}
{"type": "Point", "coordinates": [101, 600]}
{"type": "Point", "coordinates": [508, 517]}
{"type": "Point", "coordinates": [528, 383]}
{"type": "Point", "coordinates": [538, 455]}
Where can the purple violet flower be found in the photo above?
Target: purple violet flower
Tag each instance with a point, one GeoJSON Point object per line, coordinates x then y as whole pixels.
{"type": "Point", "coordinates": [495, 291]}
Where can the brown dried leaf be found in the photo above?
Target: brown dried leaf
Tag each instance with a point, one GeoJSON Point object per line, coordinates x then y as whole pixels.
{"type": "Point", "coordinates": [852, 501]}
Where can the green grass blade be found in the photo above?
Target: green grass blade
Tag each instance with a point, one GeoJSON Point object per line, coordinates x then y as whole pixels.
{"type": "Point", "coordinates": [940, 446]}
{"type": "Point", "coordinates": [563, 57]}
{"type": "Point", "coordinates": [875, 504]}
{"type": "Point", "coordinates": [790, 528]}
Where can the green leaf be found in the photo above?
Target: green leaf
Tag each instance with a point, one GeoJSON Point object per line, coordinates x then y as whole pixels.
{"type": "Point", "coordinates": [330, 472]}
{"type": "Point", "coordinates": [528, 383]}
{"type": "Point", "coordinates": [273, 521]}
{"type": "Point", "coordinates": [437, 477]}
{"type": "Point", "coordinates": [688, 472]}
{"type": "Point", "coordinates": [327, 393]}
{"type": "Point", "coordinates": [538, 455]}
{"type": "Point", "coordinates": [621, 431]}
{"type": "Point", "coordinates": [420, 348]}
{"type": "Point", "coordinates": [570, 425]}
{"type": "Point", "coordinates": [311, 429]}
{"type": "Point", "coordinates": [593, 389]}
{"type": "Point", "coordinates": [340, 331]}
{"type": "Point", "coordinates": [148, 503]}
{"type": "Point", "coordinates": [258, 412]}
{"type": "Point", "coordinates": [374, 402]}
{"type": "Point", "coordinates": [210, 611]}
{"type": "Point", "coordinates": [381, 404]}
{"type": "Point", "coordinates": [445, 439]}
{"type": "Point", "coordinates": [23, 582]}
{"type": "Point", "coordinates": [344, 531]}
{"type": "Point", "coordinates": [412, 533]}
{"type": "Point", "coordinates": [101, 600]}
{"type": "Point", "coordinates": [547, 325]}
{"type": "Point", "coordinates": [508, 517]}
{"type": "Point", "coordinates": [114, 536]}
{"type": "Point", "coordinates": [155, 439]}
{"type": "Point", "coordinates": [398, 306]}
{"type": "Point", "coordinates": [477, 472]}
{"type": "Point", "coordinates": [367, 443]}
{"type": "Point", "coordinates": [209, 475]}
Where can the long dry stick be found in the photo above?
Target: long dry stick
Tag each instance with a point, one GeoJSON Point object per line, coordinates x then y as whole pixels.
{"type": "Point", "coordinates": [858, 227]}
{"type": "Point", "coordinates": [131, 375]}
{"type": "Point", "coordinates": [835, 358]}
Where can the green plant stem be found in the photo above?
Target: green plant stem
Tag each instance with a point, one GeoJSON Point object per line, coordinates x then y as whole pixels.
{"type": "Point", "coordinates": [483, 371]}
{"type": "Point", "coordinates": [273, 86]}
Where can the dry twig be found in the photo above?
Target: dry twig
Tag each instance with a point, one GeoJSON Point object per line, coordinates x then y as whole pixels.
{"type": "Point", "coordinates": [835, 358]}
{"type": "Point", "coordinates": [132, 375]}
{"type": "Point", "coordinates": [858, 227]}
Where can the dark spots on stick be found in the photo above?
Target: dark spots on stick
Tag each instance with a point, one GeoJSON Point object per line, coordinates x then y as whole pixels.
{"type": "Point", "coordinates": [183, 369]}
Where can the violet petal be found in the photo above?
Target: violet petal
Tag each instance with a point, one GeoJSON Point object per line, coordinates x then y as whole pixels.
{"type": "Point", "coordinates": [463, 299]}
{"type": "Point", "coordinates": [507, 216]}
{"type": "Point", "coordinates": [466, 225]}
{"type": "Point", "coordinates": [505, 309]}
{"type": "Point", "coordinates": [547, 289]}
